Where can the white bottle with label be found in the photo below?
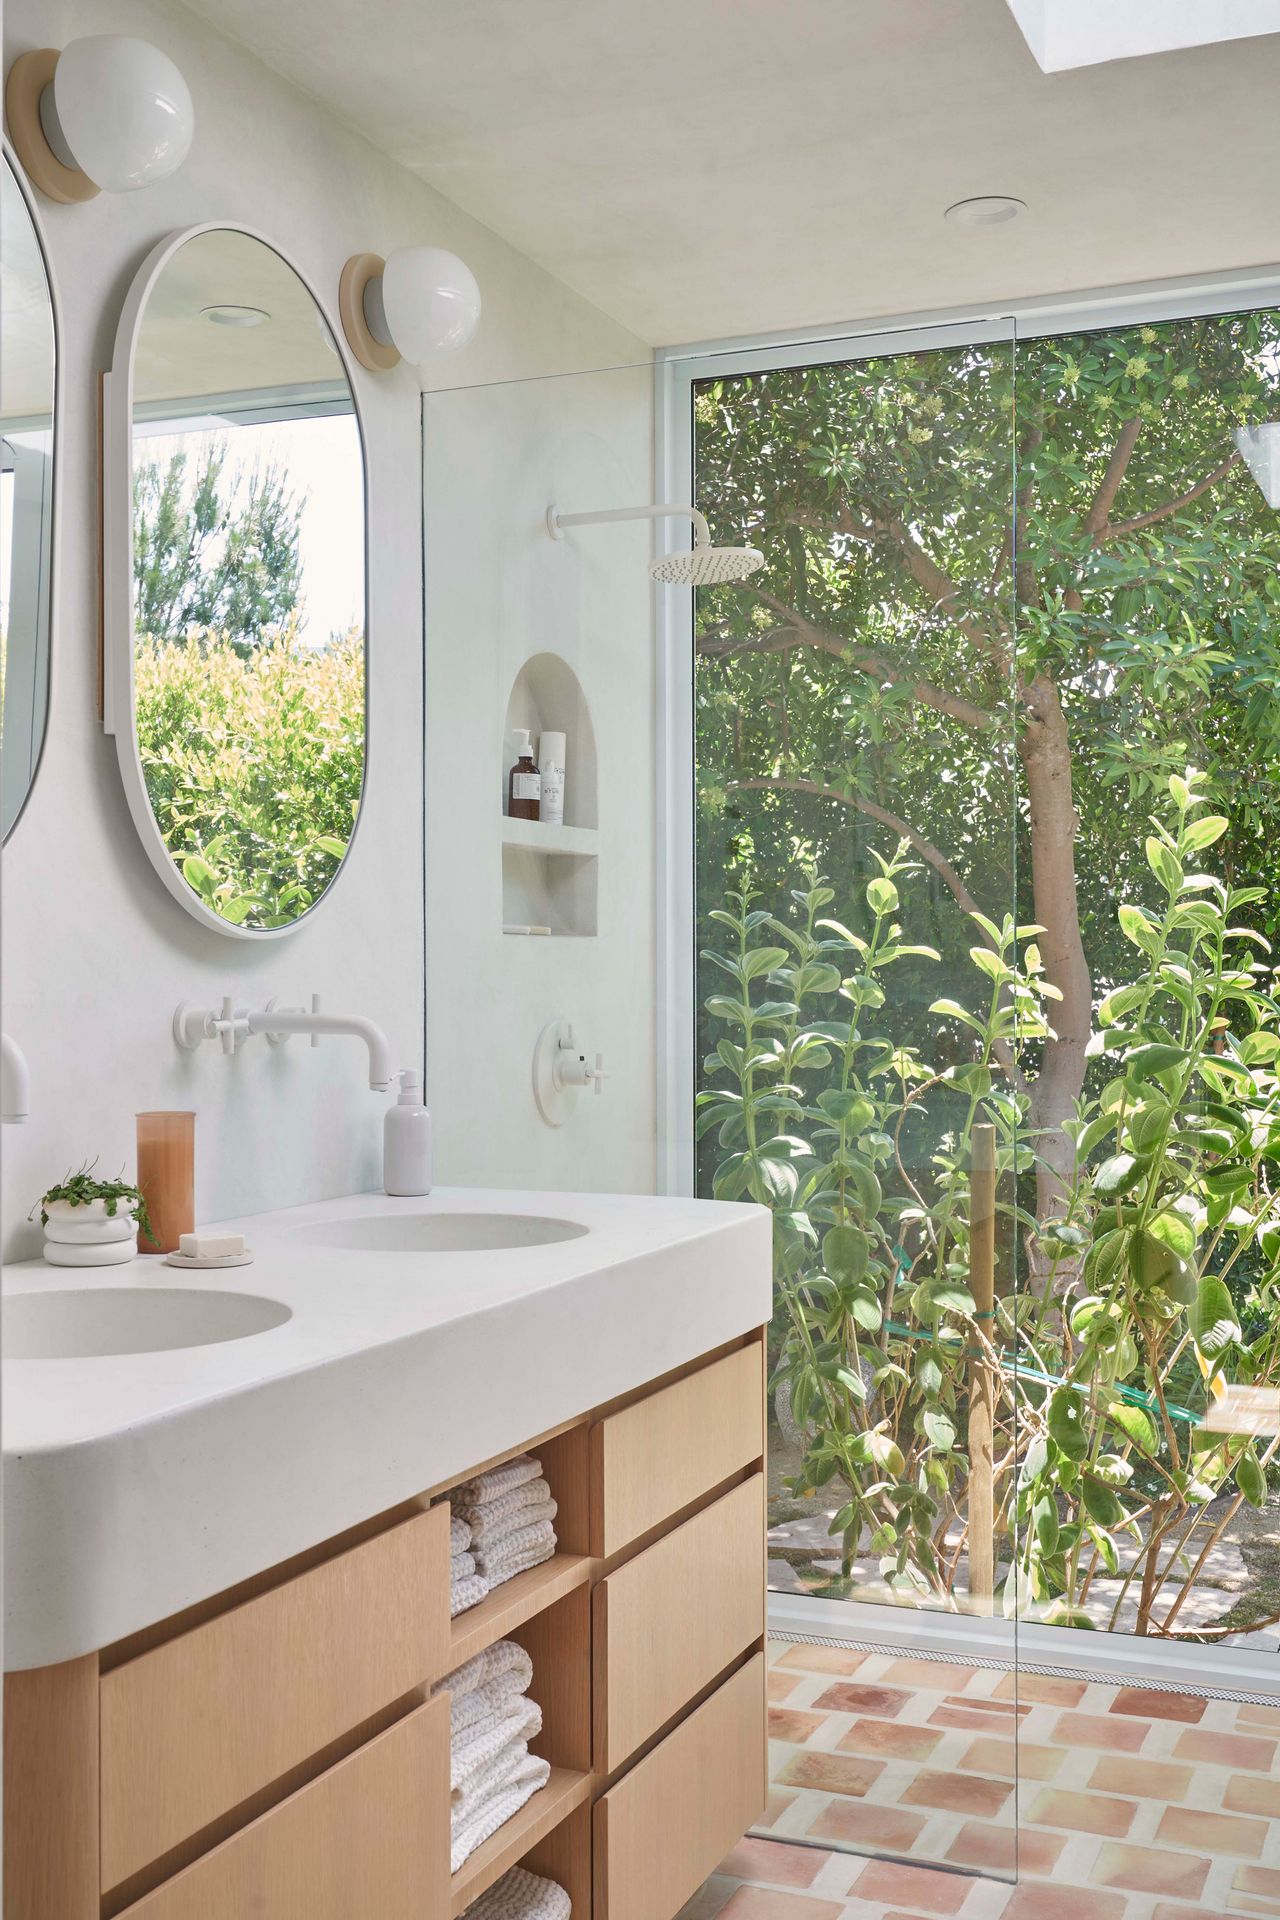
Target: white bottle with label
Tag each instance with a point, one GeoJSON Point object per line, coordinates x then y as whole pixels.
{"type": "Point", "coordinates": [407, 1157]}
{"type": "Point", "coordinates": [551, 766]}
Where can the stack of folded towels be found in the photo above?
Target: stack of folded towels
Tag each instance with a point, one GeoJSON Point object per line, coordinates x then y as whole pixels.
{"type": "Point", "coordinates": [466, 1586]}
{"type": "Point", "coordinates": [502, 1524]}
{"type": "Point", "coordinates": [491, 1722]}
{"type": "Point", "coordinates": [521, 1895]}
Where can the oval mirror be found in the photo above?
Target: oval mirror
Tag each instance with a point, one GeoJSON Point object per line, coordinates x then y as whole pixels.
{"type": "Point", "coordinates": [28, 386]}
{"type": "Point", "coordinates": [234, 576]}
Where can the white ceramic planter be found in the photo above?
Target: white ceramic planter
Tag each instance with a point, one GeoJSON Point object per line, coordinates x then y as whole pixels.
{"type": "Point", "coordinates": [89, 1236]}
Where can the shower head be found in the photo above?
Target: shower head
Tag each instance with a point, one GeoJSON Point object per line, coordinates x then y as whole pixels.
{"type": "Point", "coordinates": [706, 566]}
{"type": "Point", "coordinates": [701, 565]}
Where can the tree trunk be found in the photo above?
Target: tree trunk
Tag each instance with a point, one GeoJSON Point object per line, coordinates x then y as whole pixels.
{"type": "Point", "coordinates": [1045, 749]}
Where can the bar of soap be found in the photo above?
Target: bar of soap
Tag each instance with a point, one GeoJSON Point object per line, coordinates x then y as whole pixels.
{"type": "Point", "coordinates": [210, 1246]}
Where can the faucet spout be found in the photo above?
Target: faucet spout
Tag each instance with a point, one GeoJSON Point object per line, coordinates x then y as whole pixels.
{"type": "Point", "coordinates": [15, 1082]}
{"type": "Point", "coordinates": [280, 1022]}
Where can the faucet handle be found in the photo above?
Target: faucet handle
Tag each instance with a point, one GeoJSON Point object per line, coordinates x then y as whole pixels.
{"type": "Point", "coordinates": [599, 1074]}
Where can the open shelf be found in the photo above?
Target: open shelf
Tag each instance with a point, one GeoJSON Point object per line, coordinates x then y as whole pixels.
{"type": "Point", "coordinates": [539, 836]}
{"type": "Point", "coordinates": [514, 1602]}
{"type": "Point", "coordinates": [565, 1791]}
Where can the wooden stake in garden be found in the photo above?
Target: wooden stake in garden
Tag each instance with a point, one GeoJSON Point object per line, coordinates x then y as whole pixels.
{"type": "Point", "coordinates": [982, 1285]}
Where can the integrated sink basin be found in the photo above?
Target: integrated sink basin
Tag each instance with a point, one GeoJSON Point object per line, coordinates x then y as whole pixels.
{"type": "Point", "coordinates": [78, 1323]}
{"type": "Point", "coordinates": [438, 1232]}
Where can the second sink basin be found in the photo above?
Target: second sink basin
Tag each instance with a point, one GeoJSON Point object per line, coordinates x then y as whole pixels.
{"type": "Point", "coordinates": [438, 1232]}
{"type": "Point", "coordinates": [79, 1323]}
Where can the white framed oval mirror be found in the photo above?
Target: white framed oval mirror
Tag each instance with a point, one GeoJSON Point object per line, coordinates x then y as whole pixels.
{"type": "Point", "coordinates": [235, 581]}
{"type": "Point", "coordinates": [28, 480]}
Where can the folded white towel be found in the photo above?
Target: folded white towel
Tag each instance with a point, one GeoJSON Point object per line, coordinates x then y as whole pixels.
{"type": "Point", "coordinates": [529, 1494]}
{"type": "Point", "coordinates": [459, 1534]}
{"type": "Point", "coordinates": [521, 1895]}
{"type": "Point", "coordinates": [489, 1525]}
{"type": "Point", "coordinates": [467, 1593]}
{"type": "Point", "coordinates": [497, 1481]}
{"type": "Point", "coordinates": [522, 1563]}
{"type": "Point", "coordinates": [461, 1567]}
{"type": "Point", "coordinates": [476, 1755]}
{"type": "Point", "coordinates": [469, 1709]}
{"type": "Point", "coordinates": [503, 1657]}
{"type": "Point", "coordinates": [495, 1559]}
{"type": "Point", "coordinates": [474, 1822]}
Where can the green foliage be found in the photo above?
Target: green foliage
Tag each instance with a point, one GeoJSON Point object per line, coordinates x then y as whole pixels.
{"type": "Point", "coordinates": [254, 764]}
{"type": "Point", "coordinates": [1166, 1255]}
{"type": "Point", "coordinates": [213, 549]}
{"type": "Point", "coordinates": [81, 1190]}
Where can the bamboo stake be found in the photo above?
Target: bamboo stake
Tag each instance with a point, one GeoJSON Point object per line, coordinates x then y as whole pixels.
{"type": "Point", "coordinates": [982, 1285]}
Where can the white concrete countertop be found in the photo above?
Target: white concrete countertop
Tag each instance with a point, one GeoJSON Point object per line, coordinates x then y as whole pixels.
{"type": "Point", "coordinates": [137, 1484]}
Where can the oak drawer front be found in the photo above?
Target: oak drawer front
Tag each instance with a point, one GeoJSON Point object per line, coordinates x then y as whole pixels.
{"type": "Point", "coordinates": [674, 1817]}
{"type": "Point", "coordinates": [654, 1458]}
{"type": "Point", "coordinates": [371, 1836]}
{"type": "Point", "coordinates": [669, 1621]}
{"type": "Point", "coordinates": [193, 1727]}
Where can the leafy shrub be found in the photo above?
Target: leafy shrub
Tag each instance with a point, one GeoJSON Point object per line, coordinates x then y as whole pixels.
{"type": "Point", "coordinates": [1165, 1260]}
{"type": "Point", "coordinates": [253, 765]}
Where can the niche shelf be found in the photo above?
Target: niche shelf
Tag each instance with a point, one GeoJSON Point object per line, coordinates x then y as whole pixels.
{"type": "Point", "coordinates": [550, 874]}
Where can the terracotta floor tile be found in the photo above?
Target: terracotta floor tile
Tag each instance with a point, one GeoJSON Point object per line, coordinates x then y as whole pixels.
{"type": "Point", "coordinates": [1240, 1905]}
{"type": "Point", "coordinates": [1012, 1759]}
{"type": "Point", "coordinates": [957, 1793]}
{"type": "Point", "coordinates": [821, 1659]}
{"type": "Point", "coordinates": [856, 1823]}
{"type": "Point", "coordinates": [1001, 1850]}
{"type": "Point", "coordinates": [1151, 1779]}
{"type": "Point", "coordinates": [857, 1697]}
{"type": "Point", "coordinates": [830, 1772]}
{"type": "Point", "coordinates": [793, 1724]}
{"type": "Point", "coordinates": [1165, 1911]}
{"type": "Point", "coordinates": [781, 1684]}
{"type": "Point", "coordinates": [1098, 1730]}
{"type": "Point", "coordinates": [761, 1903]}
{"type": "Point", "coordinates": [776, 1806]}
{"type": "Point", "coordinates": [919, 1888]}
{"type": "Point", "coordinates": [1258, 1880]}
{"type": "Point", "coordinates": [1226, 1749]}
{"type": "Point", "coordinates": [1040, 1689]}
{"type": "Point", "coordinates": [1146, 1871]}
{"type": "Point", "coordinates": [1148, 1703]}
{"type": "Point", "coordinates": [1247, 1793]}
{"type": "Point", "coordinates": [1213, 1832]}
{"type": "Point", "coordinates": [1033, 1901]}
{"type": "Point", "coordinates": [999, 1712]}
{"type": "Point", "coordinates": [938, 1674]}
{"type": "Point", "coordinates": [970, 1718]}
{"type": "Point", "coordinates": [889, 1738]}
{"type": "Point", "coordinates": [708, 1902]}
{"type": "Point", "coordinates": [774, 1863]}
{"type": "Point", "coordinates": [1083, 1813]}
{"type": "Point", "coordinates": [1250, 1714]}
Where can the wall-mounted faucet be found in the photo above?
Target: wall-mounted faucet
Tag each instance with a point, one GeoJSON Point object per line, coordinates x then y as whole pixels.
{"type": "Point", "coordinates": [560, 1071]}
{"type": "Point", "coordinates": [15, 1083]}
{"type": "Point", "coordinates": [232, 1026]}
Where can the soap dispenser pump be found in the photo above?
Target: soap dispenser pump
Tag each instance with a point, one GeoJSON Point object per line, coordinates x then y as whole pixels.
{"type": "Point", "coordinates": [406, 1139]}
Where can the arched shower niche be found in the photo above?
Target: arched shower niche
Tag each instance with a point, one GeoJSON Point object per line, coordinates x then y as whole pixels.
{"type": "Point", "coordinates": [550, 873]}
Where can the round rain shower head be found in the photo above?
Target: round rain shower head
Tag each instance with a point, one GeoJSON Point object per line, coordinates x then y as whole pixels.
{"type": "Point", "coordinates": [706, 566]}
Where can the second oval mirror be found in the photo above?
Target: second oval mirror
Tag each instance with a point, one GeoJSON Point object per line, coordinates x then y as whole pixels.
{"type": "Point", "coordinates": [235, 677]}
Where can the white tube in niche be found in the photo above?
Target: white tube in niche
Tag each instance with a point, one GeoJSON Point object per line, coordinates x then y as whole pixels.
{"type": "Point", "coordinates": [551, 757]}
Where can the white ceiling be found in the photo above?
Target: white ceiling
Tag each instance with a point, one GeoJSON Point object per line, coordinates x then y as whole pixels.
{"type": "Point", "coordinates": [703, 168]}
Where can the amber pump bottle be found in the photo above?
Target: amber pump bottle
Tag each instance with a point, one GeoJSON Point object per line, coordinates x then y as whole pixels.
{"type": "Point", "coordinates": [524, 782]}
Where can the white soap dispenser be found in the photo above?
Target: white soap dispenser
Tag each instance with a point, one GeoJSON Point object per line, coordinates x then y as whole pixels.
{"type": "Point", "coordinates": [406, 1139]}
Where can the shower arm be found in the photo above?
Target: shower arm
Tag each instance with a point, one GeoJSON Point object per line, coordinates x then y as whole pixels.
{"type": "Point", "coordinates": [557, 521]}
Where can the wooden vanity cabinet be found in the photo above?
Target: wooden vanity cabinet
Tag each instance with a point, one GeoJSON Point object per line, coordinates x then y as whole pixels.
{"type": "Point", "coordinates": [277, 1753]}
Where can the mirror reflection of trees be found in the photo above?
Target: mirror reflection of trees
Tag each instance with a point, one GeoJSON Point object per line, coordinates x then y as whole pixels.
{"type": "Point", "coordinates": [1006, 603]}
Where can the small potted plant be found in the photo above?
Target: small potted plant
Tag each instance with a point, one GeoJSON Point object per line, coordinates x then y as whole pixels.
{"type": "Point", "coordinates": [92, 1223]}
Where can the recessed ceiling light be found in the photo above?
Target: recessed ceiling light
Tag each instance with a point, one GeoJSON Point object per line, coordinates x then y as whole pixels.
{"type": "Point", "coordinates": [229, 316]}
{"type": "Point", "coordinates": [988, 210]}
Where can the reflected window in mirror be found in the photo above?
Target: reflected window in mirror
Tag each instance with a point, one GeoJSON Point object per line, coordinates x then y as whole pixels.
{"type": "Point", "coordinates": [248, 516]}
{"type": "Point", "coordinates": [28, 383]}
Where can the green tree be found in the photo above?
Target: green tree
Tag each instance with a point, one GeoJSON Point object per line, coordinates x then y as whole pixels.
{"type": "Point", "coordinates": [214, 549]}
{"type": "Point", "coordinates": [1004, 596]}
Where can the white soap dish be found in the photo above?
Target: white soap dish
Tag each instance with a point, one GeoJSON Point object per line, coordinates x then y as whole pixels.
{"type": "Point", "coordinates": [191, 1260]}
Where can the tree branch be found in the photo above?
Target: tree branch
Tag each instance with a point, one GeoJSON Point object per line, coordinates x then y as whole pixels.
{"type": "Point", "coordinates": [925, 848]}
{"type": "Point", "coordinates": [1141, 520]}
{"type": "Point", "coordinates": [1095, 521]}
{"type": "Point", "coordinates": [798, 631]}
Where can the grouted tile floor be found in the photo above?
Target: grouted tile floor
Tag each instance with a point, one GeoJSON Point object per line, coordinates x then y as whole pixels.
{"type": "Point", "coordinates": [1110, 1802]}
